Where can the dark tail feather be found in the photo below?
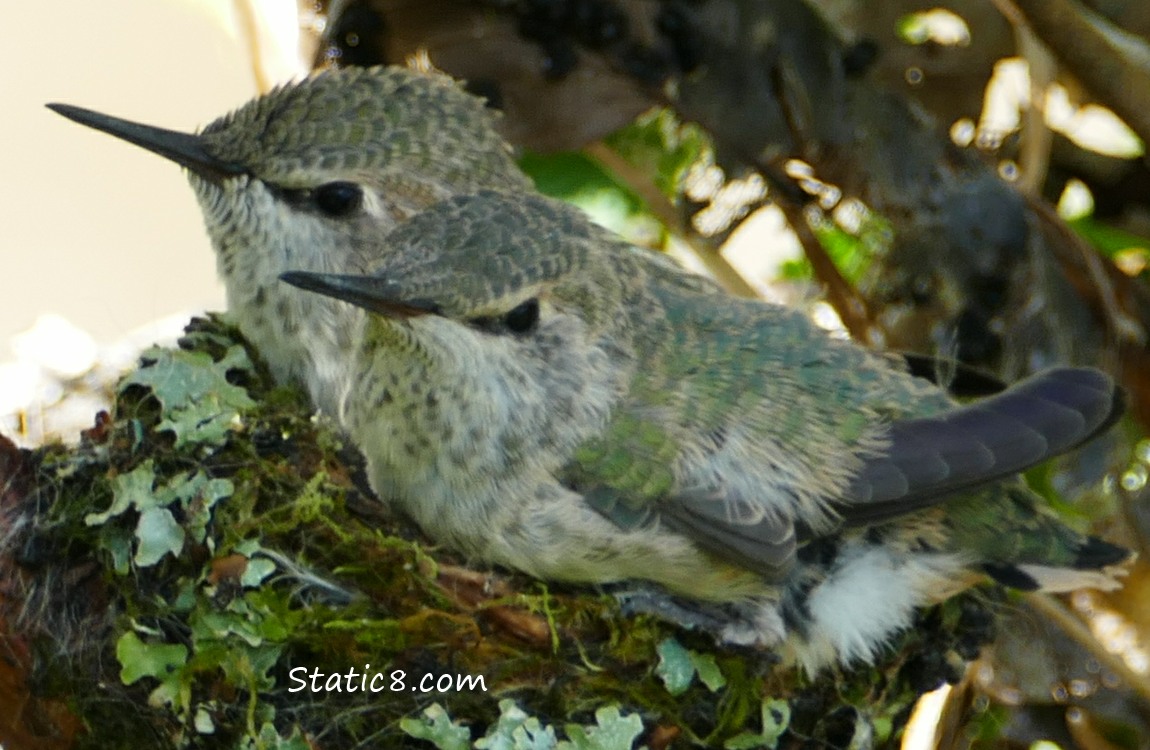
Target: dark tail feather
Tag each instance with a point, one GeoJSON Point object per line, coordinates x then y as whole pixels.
{"type": "Point", "coordinates": [998, 437]}
{"type": "Point", "coordinates": [1095, 566]}
{"type": "Point", "coordinates": [1096, 554]}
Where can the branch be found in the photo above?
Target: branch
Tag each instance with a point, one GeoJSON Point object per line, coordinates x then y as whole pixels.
{"type": "Point", "coordinates": [1113, 63]}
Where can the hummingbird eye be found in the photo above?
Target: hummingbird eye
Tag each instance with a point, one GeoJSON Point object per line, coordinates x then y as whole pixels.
{"type": "Point", "coordinates": [520, 319]}
{"type": "Point", "coordinates": [523, 317]}
{"type": "Point", "coordinates": [338, 199]}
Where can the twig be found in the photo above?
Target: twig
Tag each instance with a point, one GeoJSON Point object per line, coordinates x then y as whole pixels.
{"type": "Point", "coordinates": [1057, 613]}
{"type": "Point", "coordinates": [665, 212]}
{"type": "Point", "coordinates": [850, 307]}
{"type": "Point", "coordinates": [1112, 63]}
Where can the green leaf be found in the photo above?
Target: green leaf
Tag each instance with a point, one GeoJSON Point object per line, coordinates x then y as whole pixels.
{"type": "Point", "coordinates": [256, 571]}
{"type": "Point", "coordinates": [247, 547]}
{"type": "Point", "coordinates": [661, 145]}
{"type": "Point", "coordinates": [573, 176]}
{"type": "Point", "coordinates": [131, 489]}
{"type": "Point", "coordinates": [235, 621]}
{"type": "Point", "coordinates": [675, 668]}
{"type": "Point", "coordinates": [852, 252]}
{"type": "Point", "coordinates": [270, 739]}
{"type": "Point", "coordinates": [157, 534]}
{"type": "Point", "coordinates": [613, 731]}
{"type": "Point", "coordinates": [199, 404]}
{"type": "Point", "coordinates": [250, 666]}
{"type": "Point", "coordinates": [515, 730]}
{"type": "Point", "coordinates": [708, 671]}
{"type": "Point", "coordinates": [196, 494]}
{"type": "Point", "coordinates": [437, 728]}
{"type": "Point", "coordinates": [117, 540]}
{"type": "Point", "coordinates": [1107, 239]}
{"type": "Point", "coordinates": [775, 716]}
{"type": "Point", "coordinates": [579, 179]}
{"type": "Point", "coordinates": [203, 721]}
{"type": "Point", "coordinates": [138, 659]}
{"type": "Point", "coordinates": [912, 29]}
{"type": "Point", "coordinates": [204, 423]}
{"type": "Point", "coordinates": [678, 667]}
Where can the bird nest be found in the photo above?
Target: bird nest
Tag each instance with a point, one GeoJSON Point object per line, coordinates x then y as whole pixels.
{"type": "Point", "coordinates": [208, 568]}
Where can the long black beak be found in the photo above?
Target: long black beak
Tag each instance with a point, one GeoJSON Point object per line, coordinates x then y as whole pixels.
{"type": "Point", "coordinates": [183, 148]}
{"type": "Point", "coordinates": [374, 293]}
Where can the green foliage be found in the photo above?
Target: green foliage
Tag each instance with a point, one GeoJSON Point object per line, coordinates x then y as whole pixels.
{"type": "Point", "coordinates": [200, 404]}
{"type": "Point", "coordinates": [913, 28]}
{"type": "Point", "coordinates": [657, 145]}
{"type": "Point", "coordinates": [1107, 239]}
{"type": "Point", "coordinates": [678, 667]}
{"type": "Point", "coordinates": [660, 145]}
{"type": "Point", "coordinates": [612, 731]}
{"type": "Point", "coordinates": [160, 660]}
{"type": "Point", "coordinates": [852, 251]}
{"type": "Point", "coordinates": [437, 728]}
{"type": "Point", "coordinates": [775, 716]}
{"type": "Point", "coordinates": [270, 739]}
{"type": "Point", "coordinates": [515, 730]}
{"type": "Point", "coordinates": [156, 531]}
{"type": "Point", "coordinates": [579, 179]}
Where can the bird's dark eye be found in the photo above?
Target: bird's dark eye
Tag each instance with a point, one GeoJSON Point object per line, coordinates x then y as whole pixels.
{"type": "Point", "coordinates": [523, 317]}
{"type": "Point", "coordinates": [338, 199]}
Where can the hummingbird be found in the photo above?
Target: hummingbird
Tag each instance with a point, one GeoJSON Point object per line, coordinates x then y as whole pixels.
{"type": "Point", "coordinates": [297, 179]}
{"type": "Point", "coordinates": [538, 394]}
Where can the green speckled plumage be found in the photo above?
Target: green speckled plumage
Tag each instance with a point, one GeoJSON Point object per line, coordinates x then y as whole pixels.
{"type": "Point", "coordinates": [644, 426]}
{"type": "Point", "coordinates": [359, 121]}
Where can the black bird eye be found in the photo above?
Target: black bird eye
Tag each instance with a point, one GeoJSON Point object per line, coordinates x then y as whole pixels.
{"type": "Point", "coordinates": [338, 199]}
{"type": "Point", "coordinates": [523, 318]}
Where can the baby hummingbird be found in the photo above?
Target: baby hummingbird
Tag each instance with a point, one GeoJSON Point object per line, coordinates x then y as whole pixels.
{"type": "Point", "coordinates": [538, 394]}
{"type": "Point", "coordinates": [310, 177]}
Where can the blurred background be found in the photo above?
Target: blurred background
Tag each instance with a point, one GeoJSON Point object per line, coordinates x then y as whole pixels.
{"type": "Point", "coordinates": [101, 235]}
{"type": "Point", "coordinates": [948, 179]}
{"type": "Point", "coordinates": [103, 240]}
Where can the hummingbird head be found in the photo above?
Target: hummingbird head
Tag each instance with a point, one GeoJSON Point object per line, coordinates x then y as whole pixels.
{"type": "Point", "coordinates": [362, 126]}
{"type": "Point", "coordinates": [493, 262]}
{"type": "Point", "coordinates": [347, 152]}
